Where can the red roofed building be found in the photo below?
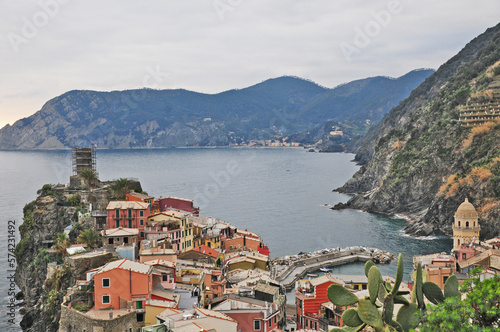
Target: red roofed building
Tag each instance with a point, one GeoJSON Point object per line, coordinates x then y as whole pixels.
{"type": "Point", "coordinates": [207, 251]}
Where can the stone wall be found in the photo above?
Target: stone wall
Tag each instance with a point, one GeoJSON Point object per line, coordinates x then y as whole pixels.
{"type": "Point", "coordinates": [81, 263]}
{"type": "Point", "coordinates": [74, 321]}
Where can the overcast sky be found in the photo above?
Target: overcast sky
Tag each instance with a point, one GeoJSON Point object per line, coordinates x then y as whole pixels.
{"type": "Point", "coordinates": [49, 47]}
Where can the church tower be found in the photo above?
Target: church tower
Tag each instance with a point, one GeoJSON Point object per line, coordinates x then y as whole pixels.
{"type": "Point", "coordinates": [466, 226]}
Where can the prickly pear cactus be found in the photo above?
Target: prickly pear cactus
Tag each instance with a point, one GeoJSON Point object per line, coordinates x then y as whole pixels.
{"type": "Point", "coordinates": [377, 310]}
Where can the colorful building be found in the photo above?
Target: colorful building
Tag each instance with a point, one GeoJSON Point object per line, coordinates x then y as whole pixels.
{"type": "Point", "coordinates": [310, 295]}
{"type": "Point", "coordinates": [123, 284]}
{"type": "Point", "coordinates": [177, 203]}
{"type": "Point", "coordinates": [112, 238]}
{"type": "Point", "coordinates": [140, 197]}
{"type": "Point", "coordinates": [438, 267]}
{"type": "Point", "coordinates": [251, 314]}
{"type": "Point", "coordinates": [175, 224]}
{"type": "Point", "coordinates": [127, 214]}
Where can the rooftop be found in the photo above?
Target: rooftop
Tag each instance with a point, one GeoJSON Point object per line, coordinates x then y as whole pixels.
{"type": "Point", "coordinates": [126, 264]}
{"type": "Point", "coordinates": [265, 288]}
{"type": "Point", "coordinates": [124, 205]}
{"type": "Point", "coordinates": [140, 195]}
{"type": "Point", "coordinates": [120, 231]}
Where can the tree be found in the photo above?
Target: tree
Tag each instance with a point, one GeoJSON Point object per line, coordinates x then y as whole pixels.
{"type": "Point", "coordinates": [89, 237]}
{"type": "Point", "coordinates": [62, 243]}
{"type": "Point", "coordinates": [45, 191]}
{"type": "Point", "coordinates": [479, 311]}
{"type": "Point", "coordinates": [121, 187]}
{"type": "Point", "coordinates": [89, 176]}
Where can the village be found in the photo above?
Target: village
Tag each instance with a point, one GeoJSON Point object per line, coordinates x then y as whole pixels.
{"type": "Point", "coordinates": [158, 265]}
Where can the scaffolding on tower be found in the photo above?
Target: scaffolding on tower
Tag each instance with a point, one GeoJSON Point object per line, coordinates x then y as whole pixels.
{"type": "Point", "coordinates": [83, 158]}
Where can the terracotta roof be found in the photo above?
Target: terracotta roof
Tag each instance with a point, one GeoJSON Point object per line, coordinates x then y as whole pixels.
{"type": "Point", "coordinates": [113, 205]}
{"type": "Point", "coordinates": [326, 278]}
{"type": "Point", "coordinates": [466, 210]}
{"type": "Point", "coordinates": [162, 304]}
{"type": "Point", "coordinates": [265, 288]}
{"type": "Point", "coordinates": [160, 262]}
{"type": "Point", "coordinates": [167, 312]}
{"type": "Point", "coordinates": [492, 254]}
{"type": "Point", "coordinates": [170, 213]}
{"type": "Point", "coordinates": [120, 231]}
{"type": "Point", "coordinates": [126, 264]}
{"type": "Point", "coordinates": [207, 251]}
{"type": "Point", "coordinates": [140, 195]}
{"type": "Point", "coordinates": [214, 314]}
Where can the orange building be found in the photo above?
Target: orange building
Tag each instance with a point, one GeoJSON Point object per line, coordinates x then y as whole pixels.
{"type": "Point", "coordinates": [123, 284]}
{"type": "Point", "coordinates": [438, 267]}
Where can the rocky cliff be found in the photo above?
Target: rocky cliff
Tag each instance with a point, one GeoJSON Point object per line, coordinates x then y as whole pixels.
{"type": "Point", "coordinates": [421, 160]}
{"type": "Point", "coordinates": [41, 275]}
{"type": "Point", "coordinates": [173, 118]}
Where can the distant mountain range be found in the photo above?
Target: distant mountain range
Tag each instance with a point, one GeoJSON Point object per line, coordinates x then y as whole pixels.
{"type": "Point", "coordinates": [174, 118]}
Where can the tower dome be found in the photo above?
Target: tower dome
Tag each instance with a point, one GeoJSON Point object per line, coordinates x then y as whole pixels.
{"type": "Point", "coordinates": [466, 210]}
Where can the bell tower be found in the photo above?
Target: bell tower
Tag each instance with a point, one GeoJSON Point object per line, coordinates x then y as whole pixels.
{"type": "Point", "coordinates": [466, 226]}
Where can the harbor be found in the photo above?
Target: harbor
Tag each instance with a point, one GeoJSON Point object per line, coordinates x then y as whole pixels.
{"type": "Point", "coordinates": [287, 270]}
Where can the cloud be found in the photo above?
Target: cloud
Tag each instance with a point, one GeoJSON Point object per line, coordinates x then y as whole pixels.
{"type": "Point", "coordinates": [108, 45]}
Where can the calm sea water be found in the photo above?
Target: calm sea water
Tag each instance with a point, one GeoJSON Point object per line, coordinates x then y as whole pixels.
{"type": "Point", "coordinates": [282, 194]}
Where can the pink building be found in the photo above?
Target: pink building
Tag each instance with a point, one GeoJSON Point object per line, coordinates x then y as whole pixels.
{"type": "Point", "coordinates": [251, 314]}
{"type": "Point", "coordinates": [127, 214]}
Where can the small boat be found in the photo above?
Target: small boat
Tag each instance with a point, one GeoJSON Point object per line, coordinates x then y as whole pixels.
{"type": "Point", "coordinates": [312, 275]}
{"type": "Point", "coordinates": [325, 269]}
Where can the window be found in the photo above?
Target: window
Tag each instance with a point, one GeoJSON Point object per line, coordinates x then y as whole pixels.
{"type": "Point", "coordinates": [141, 222]}
{"type": "Point", "coordinates": [118, 224]}
{"type": "Point", "coordinates": [464, 255]}
{"type": "Point", "coordinates": [164, 277]}
{"type": "Point", "coordinates": [142, 234]}
{"type": "Point", "coordinates": [467, 224]}
{"type": "Point", "coordinates": [106, 299]}
{"type": "Point", "coordinates": [117, 213]}
{"type": "Point", "coordinates": [256, 325]}
{"type": "Point", "coordinates": [138, 305]}
{"type": "Point", "coordinates": [125, 240]}
{"type": "Point", "coordinates": [445, 278]}
{"type": "Point", "coordinates": [110, 240]}
{"type": "Point", "coordinates": [141, 213]}
{"type": "Point", "coordinates": [130, 213]}
{"type": "Point", "coordinates": [459, 223]}
{"type": "Point", "coordinates": [140, 317]}
{"type": "Point", "coordinates": [105, 282]}
{"type": "Point", "coordinates": [130, 223]}
{"type": "Point", "coordinates": [275, 319]}
{"type": "Point", "coordinates": [270, 323]}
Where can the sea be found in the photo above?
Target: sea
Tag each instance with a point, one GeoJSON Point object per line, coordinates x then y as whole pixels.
{"type": "Point", "coordinates": [283, 194]}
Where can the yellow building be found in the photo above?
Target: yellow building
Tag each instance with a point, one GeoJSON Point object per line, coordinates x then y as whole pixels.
{"type": "Point", "coordinates": [466, 226]}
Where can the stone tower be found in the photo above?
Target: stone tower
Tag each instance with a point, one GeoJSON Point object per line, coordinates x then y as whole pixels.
{"type": "Point", "coordinates": [466, 226]}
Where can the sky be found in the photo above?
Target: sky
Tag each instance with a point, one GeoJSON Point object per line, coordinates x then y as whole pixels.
{"type": "Point", "coordinates": [49, 47]}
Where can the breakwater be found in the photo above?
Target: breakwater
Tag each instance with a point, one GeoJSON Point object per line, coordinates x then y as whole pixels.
{"type": "Point", "coordinates": [287, 270]}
